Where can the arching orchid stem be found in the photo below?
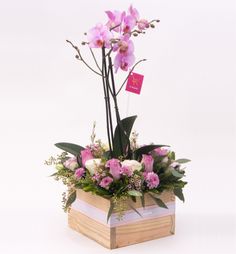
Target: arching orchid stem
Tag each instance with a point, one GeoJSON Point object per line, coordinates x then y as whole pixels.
{"type": "Point", "coordinates": [142, 60]}
{"type": "Point", "coordinates": [81, 58]}
{"type": "Point", "coordinates": [95, 60]}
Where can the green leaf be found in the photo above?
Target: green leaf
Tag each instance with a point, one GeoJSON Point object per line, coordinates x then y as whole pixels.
{"type": "Point", "coordinates": [54, 174]}
{"type": "Point", "coordinates": [183, 161]}
{"type": "Point", "coordinates": [122, 134]}
{"type": "Point", "coordinates": [133, 208]}
{"type": "Point", "coordinates": [172, 155]}
{"type": "Point", "coordinates": [177, 174]}
{"type": "Point", "coordinates": [135, 193]}
{"type": "Point", "coordinates": [159, 202]}
{"type": "Point", "coordinates": [146, 149]}
{"type": "Point", "coordinates": [70, 199]}
{"type": "Point", "coordinates": [70, 148]}
{"type": "Point", "coordinates": [110, 211]}
{"type": "Point", "coordinates": [179, 193]}
{"type": "Point", "coordinates": [142, 201]}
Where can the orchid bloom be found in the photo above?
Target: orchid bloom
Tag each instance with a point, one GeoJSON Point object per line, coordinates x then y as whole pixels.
{"type": "Point", "coordinates": [115, 20]}
{"type": "Point", "coordinates": [99, 36]}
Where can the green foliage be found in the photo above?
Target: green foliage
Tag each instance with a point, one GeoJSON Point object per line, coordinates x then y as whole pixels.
{"type": "Point", "coordinates": [121, 136]}
{"type": "Point", "coordinates": [112, 206]}
{"type": "Point", "coordinates": [176, 173]}
{"type": "Point", "coordinates": [158, 201]}
{"type": "Point", "coordinates": [135, 193]}
{"type": "Point", "coordinates": [70, 148]}
{"type": "Point", "coordinates": [179, 193]}
{"type": "Point", "coordinates": [183, 161]}
{"type": "Point", "coordinates": [133, 208]}
{"type": "Point", "coordinates": [70, 199]}
{"type": "Point", "coordinates": [145, 150]}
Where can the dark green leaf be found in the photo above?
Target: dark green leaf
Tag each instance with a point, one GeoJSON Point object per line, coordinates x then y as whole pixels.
{"type": "Point", "coordinates": [183, 161]}
{"type": "Point", "coordinates": [177, 174]}
{"type": "Point", "coordinates": [146, 149]}
{"type": "Point", "coordinates": [172, 155]}
{"type": "Point", "coordinates": [70, 148]}
{"type": "Point", "coordinates": [110, 211]}
{"type": "Point", "coordinates": [121, 136]}
{"type": "Point", "coordinates": [53, 174]}
{"type": "Point", "coordinates": [159, 202]}
{"type": "Point", "coordinates": [133, 199]}
{"type": "Point", "coordinates": [179, 193]}
{"type": "Point", "coordinates": [142, 201]}
{"type": "Point", "coordinates": [70, 199]}
{"type": "Point", "coordinates": [133, 208]}
{"type": "Point", "coordinates": [135, 193]}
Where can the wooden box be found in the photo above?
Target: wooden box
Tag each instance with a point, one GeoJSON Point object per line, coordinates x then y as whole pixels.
{"type": "Point", "coordinates": [88, 215]}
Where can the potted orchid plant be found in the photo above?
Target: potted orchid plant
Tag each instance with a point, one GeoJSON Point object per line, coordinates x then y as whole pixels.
{"type": "Point", "coordinates": [118, 169]}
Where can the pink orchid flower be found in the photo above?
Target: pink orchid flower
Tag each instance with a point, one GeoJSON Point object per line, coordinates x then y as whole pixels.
{"type": "Point", "coordinates": [123, 61]}
{"type": "Point", "coordinates": [128, 24]}
{"type": "Point", "coordinates": [133, 12]}
{"type": "Point", "coordinates": [99, 36]}
{"type": "Point", "coordinates": [143, 24]}
{"type": "Point", "coordinates": [115, 20]}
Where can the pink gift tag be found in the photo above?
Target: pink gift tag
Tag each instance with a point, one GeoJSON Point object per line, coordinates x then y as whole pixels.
{"type": "Point", "coordinates": [134, 83]}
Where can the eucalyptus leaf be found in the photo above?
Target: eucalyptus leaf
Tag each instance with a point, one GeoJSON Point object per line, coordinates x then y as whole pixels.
{"type": "Point", "coordinates": [158, 201]}
{"type": "Point", "coordinates": [70, 148]}
{"type": "Point", "coordinates": [135, 193]}
{"type": "Point", "coordinates": [177, 174]}
{"type": "Point", "coordinates": [179, 193]}
{"type": "Point", "coordinates": [183, 161]}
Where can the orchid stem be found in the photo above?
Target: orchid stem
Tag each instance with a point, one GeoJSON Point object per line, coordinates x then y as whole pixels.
{"type": "Point", "coordinates": [79, 57]}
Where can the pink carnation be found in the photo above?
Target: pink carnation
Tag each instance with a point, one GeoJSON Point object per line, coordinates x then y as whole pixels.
{"type": "Point", "coordinates": [106, 181]}
{"type": "Point", "coordinates": [79, 172]}
{"type": "Point", "coordinates": [148, 161]}
{"type": "Point", "coordinates": [86, 155]}
{"type": "Point", "coordinates": [152, 180]}
{"type": "Point", "coordinates": [115, 168]}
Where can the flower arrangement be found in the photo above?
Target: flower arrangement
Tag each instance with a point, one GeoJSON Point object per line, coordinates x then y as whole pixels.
{"type": "Point", "coordinates": [121, 169]}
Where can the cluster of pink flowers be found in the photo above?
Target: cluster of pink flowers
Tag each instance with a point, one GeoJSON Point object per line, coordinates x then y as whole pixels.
{"type": "Point", "coordinates": [104, 173]}
{"type": "Point", "coordinates": [116, 34]}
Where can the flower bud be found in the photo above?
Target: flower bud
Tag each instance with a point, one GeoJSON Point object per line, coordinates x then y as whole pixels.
{"type": "Point", "coordinates": [59, 166]}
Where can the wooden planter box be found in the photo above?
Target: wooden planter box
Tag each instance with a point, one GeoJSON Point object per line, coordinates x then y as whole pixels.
{"type": "Point", "coordinates": [88, 215]}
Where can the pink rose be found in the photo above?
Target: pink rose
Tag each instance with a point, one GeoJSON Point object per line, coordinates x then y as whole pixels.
{"type": "Point", "coordinates": [152, 180]}
{"type": "Point", "coordinates": [148, 161]}
{"type": "Point", "coordinates": [161, 151]}
{"type": "Point", "coordinates": [106, 181]}
{"type": "Point", "coordinates": [86, 155]}
{"type": "Point", "coordinates": [115, 168]}
{"type": "Point", "coordinates": [79, 172]}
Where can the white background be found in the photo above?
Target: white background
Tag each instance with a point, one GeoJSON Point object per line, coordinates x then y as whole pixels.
{"type": "Point", "coordinates": [187, 101]}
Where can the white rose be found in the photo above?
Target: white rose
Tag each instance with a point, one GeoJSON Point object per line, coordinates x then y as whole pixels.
{"type": "Point", "coordinates": [92, 165]}
{"type": "Point", "coordinates": [133, 164]}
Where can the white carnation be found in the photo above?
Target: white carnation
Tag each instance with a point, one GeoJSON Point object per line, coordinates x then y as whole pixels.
{"type": "Point", "coordinates": [92, 165]}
